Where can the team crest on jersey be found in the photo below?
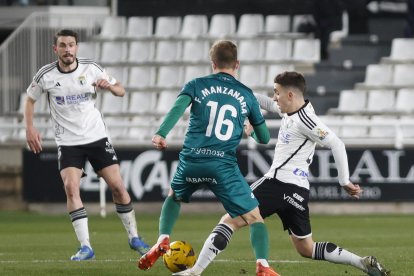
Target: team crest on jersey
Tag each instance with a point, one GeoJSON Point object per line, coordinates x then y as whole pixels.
{"type": "Point", "coordinates": [60, 100]}
{"type": "Point", "coordinates": [321, 133]}
{"type": "Point", "coordinates": [82, 80]}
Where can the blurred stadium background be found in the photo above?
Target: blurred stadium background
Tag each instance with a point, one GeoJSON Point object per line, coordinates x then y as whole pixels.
{"type": "Point", "coordinates": [362, 87]}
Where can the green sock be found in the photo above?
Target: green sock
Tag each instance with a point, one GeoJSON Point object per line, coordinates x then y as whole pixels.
{"type": "Point", "coordinates": [260, 240]}
{"type": "Point", "coordinates": [169, 214]}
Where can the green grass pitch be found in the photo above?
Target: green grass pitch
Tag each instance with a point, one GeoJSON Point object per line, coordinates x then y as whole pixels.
{"type": "Point", "coordinates": [35, 244]}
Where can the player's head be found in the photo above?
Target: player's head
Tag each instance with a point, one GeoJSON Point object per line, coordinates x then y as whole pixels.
{"type": "Point", "coordinates": [289, 91]}
{"type": "Point", "coordinates": [223, 55]}
{"type": "Point", "coordinates": [65, 45]}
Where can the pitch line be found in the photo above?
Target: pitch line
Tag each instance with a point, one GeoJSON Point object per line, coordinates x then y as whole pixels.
{"type": "Point", "coordinates": [134, 260]}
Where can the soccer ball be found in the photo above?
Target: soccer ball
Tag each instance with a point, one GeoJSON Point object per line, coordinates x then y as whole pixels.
{"type": "Point", "coordinates": [180, 256]}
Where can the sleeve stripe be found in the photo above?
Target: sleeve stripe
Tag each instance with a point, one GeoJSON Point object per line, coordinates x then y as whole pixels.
{"type": "Point", "coordinates": [44, 70]}
{"type": "Point", "coordinates": [89, 61]}
{"type": "Point", "coordinates": [306, 119]}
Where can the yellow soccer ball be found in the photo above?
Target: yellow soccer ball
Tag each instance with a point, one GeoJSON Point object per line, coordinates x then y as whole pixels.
{"type": "Point", "coordinates": [180, 256]}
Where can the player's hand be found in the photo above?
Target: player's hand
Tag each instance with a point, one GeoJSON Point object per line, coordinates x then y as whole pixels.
{"type": "Point", "coordinates": [248, 129]}
{"type": "Point", "coordinates": [102, 84]}
{"type": "Point", "coordinates": [353, 190]}
{"type": "Point", "coordinates": [34, 140]}
{"type": "Point", "coordinates": [159, 142]}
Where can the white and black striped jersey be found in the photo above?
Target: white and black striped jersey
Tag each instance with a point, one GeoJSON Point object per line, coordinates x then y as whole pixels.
{"type": "Point", "coordinates": [299, 133]}
{"type": "Point", "coordinates": [71, 98]}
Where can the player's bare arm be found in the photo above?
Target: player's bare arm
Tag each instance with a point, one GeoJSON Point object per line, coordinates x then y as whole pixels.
{"type": "Point", "coordinates": [34, 140]}
{"type": "Point", "coordinates": [117, 89]}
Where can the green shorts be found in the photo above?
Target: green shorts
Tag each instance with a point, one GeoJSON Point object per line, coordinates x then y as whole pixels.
{"type": "Point", "coordinates": [223, 179]}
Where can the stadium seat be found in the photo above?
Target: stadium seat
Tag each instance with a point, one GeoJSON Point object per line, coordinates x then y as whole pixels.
{"type": "Point", "coordinates": [307, 50]}
{"type": "Point", "coordinates": [194, 25]}
{"type": "Point", "coordinates": [253, 75]}
{"type": "Point", "coordinates": [170, 76]}
{"type": "Point", "coordinates": [117, 127]}
{"type": "Point", "coordinates": [352, 101]}
{"type": "Point", "coordinates": [353, 131]}
{"type": "Point", "coordinates": [300, 19]}
{"type": "Point", "coordinates": [250, 25]}
{"type": "Point", "coordinates": [277, 23]}
{"type": "Point", "coordinates": [41, 105]}
{"type": "Point", "coordinates": [113, 52]}
{"type": "Point", "coordinates": [6, 133]}
{"type": "Point", "coordinates": [195, 71]}
{"type": "Point", "coordinates": [381, 101]}
{"type": "Point", "coordinates": [274, 70]}
{"type": "Point", "coordinates": [332, 122]}
{"type": "Point", "coordinates": [141, 51]}
{"type": "Point", "coordinates": [167, 26]}
{"type": "Point", "coordinates": [405, 100]}
{"type": "Point", "coordinates": [384, 131]}
{"type": "Point", "coordinates": [278, 49]}
{"type": "Point", "coordinates": [142, 102]}
{"type": "Point", "coordinates": [407, 130]}
{"type": "Point", "coordinates": [195, 51]}
{"type": "Point", "coordinates": [140, 26]}
{"type": "Point", "coordinates": [166, 100]}
{"type": "Point", "coordinates": [113, 26]}
{"type": "Point", "coordinates": [112, 104]}
{"type": "Point", "coordinates": [222, 25]}
{"type": "Point", "coordinates": [402, 50]}
{"type": "Point", "coordinates": [403, 75]}
{"type": "Point", "coordinates": [142, 128]}
{"type": "Point", "coordinates": [168, 51]}
{"type": "Point", "coordinates": [89, 49]}
{"type": "Point", "coordinates": [251, 50]}
{"type": "Point", "coordinates": [118, 72]}
{"type": "Point", "coordinates": [142, 77]}
{"type": "Point", "coordinates": [378, 74]}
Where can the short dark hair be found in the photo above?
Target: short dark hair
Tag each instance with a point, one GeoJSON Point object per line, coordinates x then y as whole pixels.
{"type": "Point", "coordinates": [224, 54]}
{"type": "Point", "coordinates": [292, 79]}
{"type": "Point", "coordinates": [65, 32]}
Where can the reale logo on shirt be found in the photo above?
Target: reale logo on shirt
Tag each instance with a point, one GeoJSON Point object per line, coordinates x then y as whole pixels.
{"type": "Point", "coordinates": [60, 100]}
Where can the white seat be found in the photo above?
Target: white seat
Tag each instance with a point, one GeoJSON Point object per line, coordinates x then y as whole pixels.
{"type": "Point", "coordinates": [170, 76]}
{"type": "Point", "coordinates": [168, 51]}
{"type": "Point", "coordinates": [307, 49]}
{"type": "Point", "coordinates": [384, 131]}
{"type": "Point", "coordinates": [277, 23]}
{"type": "Point", "coordinates": [331, 122]}
{"type": "Point", "coordinates": [381, 100]}
{"type": "Point", "coordinates": [195, 71]}
{"type": "Point", "coordinates": [378, 74]}
{"type": "Point", "coordinates": [118, 72]}
{"type": "Point", "coordinates": [141, 51]}
{"type": "Point", "coordinates": [402, 49]}
{"type": "Point", "coordinates": [403, 75]}
{"type": "Point", "coordinates": [405, 100]}
{"type": "Point", "coordinates": [113, 26]}
{"type": "Point", "coordinates": [250, 25]}
{"type": "Point", "coordinates": [352, 100]}
{"type": "Point", "coordinates": [222, 25]}
{"type": "Point", "coordinates": [195, 50]}
{"type": "Point", "coordinates": [251, 50]}
{"type": "Point", "coordinates": [299, 19]}
{"type": "Point", "coordinates": [167, 26]}
{"type": "Point", "coordinates": [142, 128]}
{"type": "Point", "coordinates": [112, 104]}
{"type": "Point", "coordinates": [274, 70]}
{"type": "Point", "coordinates": [142, 102]}
{"type": "Point", "coordinates": [6, 133]}
{"type": "Point", "coordinates": [113, 52]}
{"type": "Point", "coordinates": [166, 100]}
{"type": "Point", "coordinates": [278, 49]}
{"type": "Point", "coordinates": [89, 50]}
{"type": "Point", "coordinates": [407, 130]}
{"type": "Point", "coordinates": [353, 131]}
{"type": "Point", "coordinates": [142, 76]}
{"type": "Point", "coordinates": [117, 127]}
{"type": "Point", "coordinates": [253, 75]}
{"type": "Point", "coordinates": [140, 26]}
{"type": "Point", "coordinates": [194, 25]}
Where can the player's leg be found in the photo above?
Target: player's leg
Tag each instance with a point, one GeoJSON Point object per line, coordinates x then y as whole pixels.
{"type": "Point", "coordinates": [70, 162]}
{"type": "Point", "coordinates": [123, 205]}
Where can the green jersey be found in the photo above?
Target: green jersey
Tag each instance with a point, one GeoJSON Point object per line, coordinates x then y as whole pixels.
{"type": "Point", "coordinates": [220, 105]}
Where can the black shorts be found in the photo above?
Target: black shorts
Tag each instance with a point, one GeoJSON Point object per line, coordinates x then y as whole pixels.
{"type": "Point", "coordinates": [100, 154]}
{"type": "Point", "coordinates": [289, 201]}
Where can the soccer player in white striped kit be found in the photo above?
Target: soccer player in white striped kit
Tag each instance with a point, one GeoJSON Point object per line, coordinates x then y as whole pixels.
{"type": "Point", "coordinates": [71, 84]}
{"type": "Point", "coordinates": [284, 189]}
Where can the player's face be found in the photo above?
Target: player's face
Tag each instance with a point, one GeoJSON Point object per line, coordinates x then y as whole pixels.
{"type": "Point", "coordinates": [281, 97]}
{"type": "Point", "coordinates": [66, 49]}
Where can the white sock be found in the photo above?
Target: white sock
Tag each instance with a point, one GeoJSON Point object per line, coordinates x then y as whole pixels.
{"type": "Point", "coordinates": [263, 262]}
{"type": "Point", "coordinates": [127, 215]}
{"type": "Point", "coordinates": [161, 237]}
{"type": "Point", "coordinates": [334, 254]}
{"type": "Point", "coordinates": [82, 231]}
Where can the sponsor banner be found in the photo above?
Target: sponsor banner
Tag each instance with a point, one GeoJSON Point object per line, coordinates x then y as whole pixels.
{"type": "Point", "coordinates": [384, 174]}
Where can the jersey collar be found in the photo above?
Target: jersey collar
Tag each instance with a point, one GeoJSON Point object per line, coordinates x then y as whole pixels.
{"type": "Point", "coordinates": [63, 72]}
{"type": "Point", "coordinates": [303, 106]}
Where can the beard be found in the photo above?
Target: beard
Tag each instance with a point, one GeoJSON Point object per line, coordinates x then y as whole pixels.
{"type": "Point", "coordinates": [67, 59]}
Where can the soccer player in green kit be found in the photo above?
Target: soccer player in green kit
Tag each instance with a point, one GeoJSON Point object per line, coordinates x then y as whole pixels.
{"type": "Point", "coordinates": [219, 107]}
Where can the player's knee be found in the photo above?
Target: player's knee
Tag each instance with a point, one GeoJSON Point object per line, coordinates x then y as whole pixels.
{"type": "Point", "coordinates": [220, 242]}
